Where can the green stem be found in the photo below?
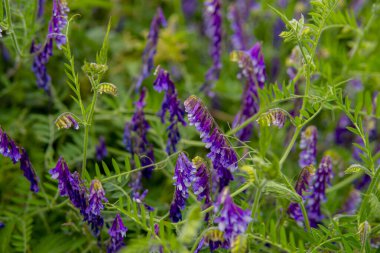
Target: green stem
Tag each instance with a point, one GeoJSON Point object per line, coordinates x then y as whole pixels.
{"type": "Point", "coordinates": [87, 127]}
{"type": "Point", "coordinates": [255, 206]}
{"type": "Point", "coordinates": [364, 204]}
{"type": "Point", "coordinates": [290, 146]}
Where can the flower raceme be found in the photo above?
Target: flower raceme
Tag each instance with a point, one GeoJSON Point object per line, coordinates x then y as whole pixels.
{"type": "Point", "coordinates": [182, 180]}
{"type": "Point", "coordinates": [117, 233]}
{"type": "Point", "coordinates": [151, 46]}
{"type": "Point", "coordinates": [170, 104]}
{"type": "Point", "coordinates": [213, 24]}
{"type": "Point", "coordinates": [303, 185]}
{"type": "Point", "coordinates": [318, 192]}
{"type": "Point", "coordinates": [8, 148]}
{"type": "Point", "coordinates": [43, 52]}
{"type": "Point", "coordinates": [135, 136]}
{"type": "Point", "coordinates": [252, 67]}
{"type": "Point", "coordinates": [101, 149]}
{"type": "Point", "coordinates": [222, 155]}
{"type": "Point", "coordinates": [308, 144]}
{"type": "Point", "coordinates": [232, 220]}
{"type": "Point", "coordinates": [89, 204]}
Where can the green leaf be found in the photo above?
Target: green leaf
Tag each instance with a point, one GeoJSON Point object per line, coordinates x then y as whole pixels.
{"type": "Point", "coordinates": [106, 169]}
{"type": "Point", "coordinates": [355, 168]}
{"type": "Point", "coordinates": [281, 191]}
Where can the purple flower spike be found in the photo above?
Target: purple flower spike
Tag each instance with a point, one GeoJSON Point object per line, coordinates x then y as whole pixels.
{"type": "Point", "coordinates": [223, 157]}
{"type": "Point", "coordinates": [29, 173]}
{"type": "Point", "coordinates": [41, 8]}
{"type": "Point", "coordinates": [318, 192]}
{"type": "Point", "coordinates": [213, 24]}
{"type": "Point", "coordinates": [308, 144]}
{"type": "Point", "coordinates": [117, 233]}
{"type": "Point", "coordinates": [342, 135]}
{"type": "Point", "coordinates": [70, 185]}
{"type": "Point", "coordinates": [96, 197]}
{"type": "Point", "coordinates": [172, 104]}
{"type": "Point", "coordinates": [135, 136]}
{"type": "Point", "coordinates": [8, 147]}
{"type": "Point", "coordinates": [201, 180]}
{"type": "Point", "coordinates": [182, 180]}
{"type": "Point", "coordinates": [43, 54]}
{"type": "Point", "coordinates": [151, 46]}
{"type": "Point", "coordinates": [101, 149]}
{"type": "Point", "coordinates": [189, 7]}
{"type": "Point", "coordinates": [232, 220]}
{"type": "Point", "coordinates": [302, 186]}
{"type": "Point", "coordinates": [58, 22]}
{"type": "Point", "coordinates": [238, 38]}
{"type": "Point", "coordinates": [253, 70]}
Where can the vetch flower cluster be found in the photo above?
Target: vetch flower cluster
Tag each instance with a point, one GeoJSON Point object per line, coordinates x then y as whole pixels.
{"type": "Point", "coordinates": [308, 144]}
{"type": "Point", "coordinates": [318, 192]}
{"type": "Point", "coordinates": [89, 204]}
{"type": "Point", "coordinates": [43, 53]}
{"type": "Point", "coordinates": [58, 22]}
{"type": "Point", "coordinates": [232, 220]}
{"type": "Point", "coordinates": [252, 67]}
{"type": "Point", "coordinates": [223, 157]}
{"type": "Point", "coordinates": [213, 24]}
{"type": "Point", "coordinates": [151, 46]}
{"type": "Point", "coordinates": [238, 38]}
{"type": "Point", "coordinates": [135, 136]}
{"type": "Point", "coordinates": [275, 117]}
{"type": "Point", "coordinates": [117, 233]}
{"type": "Point", "coordinates": [182, 180]}
{"type": "Point", "coordinates": [8, 148]}
{"type": "Point", "coordinates": [101, 149]}
{"type": "Point", "coordinates": [302, 185]}
{"type": "Point", "coordinates": [170, 104]}
{"type": "Point", "coordinates": [66, 120]}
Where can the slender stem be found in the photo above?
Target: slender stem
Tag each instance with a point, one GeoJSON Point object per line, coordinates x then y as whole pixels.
{"type": "Point", "coordinates": [290, 146]}
{"type": "Point", "coordinates": [305, 217]}
{"type": "Point", "coordinates": [371, 188]}
{"type": "Point", "coordinates": [255, 206]}
{"type": "Point", "coordinates": [87, 127]}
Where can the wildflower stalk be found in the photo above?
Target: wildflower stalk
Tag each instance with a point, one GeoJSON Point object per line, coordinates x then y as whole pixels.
{"type": "Point", "coordinates": [10, 28]}
{"type": "Point", "coordinates": [87, 124]}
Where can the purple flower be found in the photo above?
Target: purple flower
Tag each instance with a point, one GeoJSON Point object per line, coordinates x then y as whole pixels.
{"type": "Point", "coordinates": [151, 46]}
{"type": "Point", "coordinates": [238, 38]}
{"type": "Point", "coordinates": [182, 180]}
{"type": "Point", "coordinates": [8, 147]}
{"type": "Point", "coordinates": [70, 185]}
{"type": "Point", "coordinates": [318, 192]}
{"type": "Point", "coordinates": [342, 135]}
{"type": "Point", "coordinates": [29, 173]}
{"type": "Point", "coordinates": [58, 22]}
{"type": "Point", "coordinates": [117, 233]}
{"type": "Point", "coordinates": [302, 186]}
{"type": "Point", "coordinates": [213, 24]}
{"type": "Point", "coordinates": [232, 220]}
{"type": "Point", "coordinates": [223, 157]}
{"type": "Point", "coordinates": [135, 137]}
{"type": "Point", "coordinates": [41, 7]}
{"type": "Point", "coordinates": [170, 104]}
{"type": "Point", "coordinates": [252, 67]}
{"type": "Point", "coordinates": [101, 149]}
{"type": "Point", "coordinates": [308, 144]}
{"type": "Point", "coordinates": [201, 180]}
{"type": "Point", "coordinates": [274, 117]}
{"type": "Point", "coordinates": [95, 198]}
{"type": "Point", "coordinates": [41, 58]}
{"type": "Point", "coordinates": [2, 225]}
{"type": "Point", "coordinates": [95, 205]}
{"type": "Point", "coordinates": [189, 7]}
